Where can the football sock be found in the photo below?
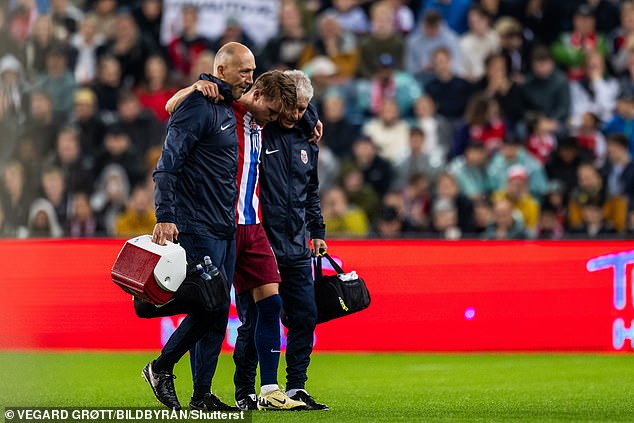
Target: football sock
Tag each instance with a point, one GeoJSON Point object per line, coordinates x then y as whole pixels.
{"type": "Point", "coordinates": [265, 389]}
{"type": "Point", "coordinates": [267, 337]}
{"type": "Point", "coordinates": [292, 392]}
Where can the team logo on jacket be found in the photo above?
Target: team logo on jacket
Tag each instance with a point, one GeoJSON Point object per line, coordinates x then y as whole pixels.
{"type": "Point", "coordinates": [304, 157]}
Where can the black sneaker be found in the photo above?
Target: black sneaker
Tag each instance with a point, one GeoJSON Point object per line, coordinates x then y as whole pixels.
{"type": "Point", "coordinates": [311, 404]}
{"type": "Point", "coordinates": [250, 402]}
{"type": "Point", "coordinates": [162, 384]}
{"type": "Point", "coordinates": [210, 402]}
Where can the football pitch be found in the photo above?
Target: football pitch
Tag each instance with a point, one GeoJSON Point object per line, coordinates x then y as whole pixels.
{"type": "Point", "coordinates": [357, 387]}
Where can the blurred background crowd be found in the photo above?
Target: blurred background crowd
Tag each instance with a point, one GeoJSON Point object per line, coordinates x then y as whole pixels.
{"type": "Point", "coordinates": [446, 119]}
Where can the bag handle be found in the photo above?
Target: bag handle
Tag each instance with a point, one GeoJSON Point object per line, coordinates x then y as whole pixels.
{"type": "Point", "coordinates": [318, 265]}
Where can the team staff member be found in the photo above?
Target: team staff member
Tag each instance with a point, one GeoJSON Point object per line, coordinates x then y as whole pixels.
{"type": "Point", "coordinates": [256, 273]}
{"type": "Point", "coordinates": [290, 206]}
{"type": "Point", "coordinates": [195, 195]}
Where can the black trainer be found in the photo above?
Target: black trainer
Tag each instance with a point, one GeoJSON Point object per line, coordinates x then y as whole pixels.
{"type": "Point", "coordinates": [311, 404]}
{"type": "Point", "coordinates": [210, 402]}
{"type": "Point", "coordinates": [250, 402]}
{"type": "Point", "coordinates": [162, 384]}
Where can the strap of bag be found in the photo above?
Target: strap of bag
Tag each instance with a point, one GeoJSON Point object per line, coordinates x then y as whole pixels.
{"type": "Point", "coordinates": [333, 263]}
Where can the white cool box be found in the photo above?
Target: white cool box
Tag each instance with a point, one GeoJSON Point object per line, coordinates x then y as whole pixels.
{"type": "Point", "coordinates": [150, 271]}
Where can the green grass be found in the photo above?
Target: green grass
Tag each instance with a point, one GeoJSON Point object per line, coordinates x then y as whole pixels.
{"type": "Point", "coordinates": [359, 387]}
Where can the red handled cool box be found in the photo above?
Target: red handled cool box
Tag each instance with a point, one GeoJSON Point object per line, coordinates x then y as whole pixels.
{"type": "Point", "coordinates": [150, 271]}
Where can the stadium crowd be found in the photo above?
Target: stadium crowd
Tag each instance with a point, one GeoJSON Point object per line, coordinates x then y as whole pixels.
{"type": "Point", "coordinates": [448, 119]}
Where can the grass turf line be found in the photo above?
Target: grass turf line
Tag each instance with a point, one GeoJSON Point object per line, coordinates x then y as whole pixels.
{"type": "Point", "coordinates": [358, 387]}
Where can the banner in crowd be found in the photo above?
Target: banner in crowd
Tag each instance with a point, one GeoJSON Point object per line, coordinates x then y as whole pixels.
{"type": "Point", "coordinates": [258, 18]}
{"type": "Point", "coordinates": [426, 296]}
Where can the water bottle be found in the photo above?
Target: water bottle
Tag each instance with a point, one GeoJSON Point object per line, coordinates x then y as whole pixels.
{"type": "Point", "coordinates": [209, 266]}
{"type": "Point", "coordinates": [201, 271]}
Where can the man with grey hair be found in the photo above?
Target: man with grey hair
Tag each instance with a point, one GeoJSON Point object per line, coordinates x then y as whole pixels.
{"type": "Point", "coordinates": [289, 192]}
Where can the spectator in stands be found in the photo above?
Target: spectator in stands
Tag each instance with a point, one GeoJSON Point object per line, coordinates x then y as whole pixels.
{"type": "Point", "coordinates": [590, 138]}
{"type": "Point", "coordinates": [376, 171]}
{"type": "Point", "coordinates": [469, 170]}
{"type": "Point", "coordinates": [389, 131]}
{"type": "Point", "coordinates": [28, 155]}
{"type": "Point", "coordinates": [54, 191]}
{"type": "Point", "coordinates": [542, 138]}
{"type": "Point", "coordinates": [477, 44]}
{"type": "Point", "coordinates": [483, 123]}
{"type": "Point", "coordinates": [516, 192]}
{"type": "Point", "coordinates": [8, 45]}
{"type": "Point", "coordinates": [328, 166]}
{"type": "Point", "coordinates": [42, 221]}
{"type": "Point", "coordinates": [350, 15]}
{"type": "Point", "coordinates": [497, 84]}
{"type": "Point", "coordinates": [106, 13]}
{"type": "Point", "coordinates": [86, 42]}
{"type": "Point", "coordinates": [233, 32]}
{"type": "Point", "coordinates": [6, 230]}
{"type": "Point", "coordinates": [339, 132]}
{"type": "Point", "coordinates": [21, 19]}
{"type": "Point", "coordinates": [596, 92]}
{"type": "Point", "coordinates": [156, 88]}
{"type": "Point", "coordinates": [387, 83]}
{"type": "Point", "coordinates": [571, 48]}
{"type": "Point", "coordinates": [589, 186]}
{"type": "Point", "coordinates": [413, 202]}
{"type": "Point", "coordinates": [546, 88]}
{"type": "Point", "coordinates": [505, 224]}
{"type": "Point", "coordinates": [549, 227]}
{"type": "Point", "coordinates": [58, 81]}
{"type": "Point", "coordinates": [618, 176]}
{"type": "Point", "coordinates": [416, 160]}
{"type": "Point", "coordinates": [91, 128]}
{"type": "Point", "coordinates": [148, 15]}
{"type": "Point", "coordinates": [623, 119]}
{"type": "Point", "coordinates": [130, 49]}
{"type": "Point", "coordinates": [389, 225]}
{"type": "Point", "coordinates": [42, 125]}
{"type": "Point", "coordinates": [138, 217]}
{"type": "Point", "coordinates": [446, 187]}
{"type": "Point", "coordinates": [511, 153]}
{"type": "Point", "coordinates": [342, 219]}
{"type": "Point", "coordinates": [593, 222]}
{"type": "Point", "coordinates": [107, 86]}
{"type": "Point", "coordinates": [450, 92]}
{"type": "Point", "coordinates": [482, 216]}
{"type": "Point", "coordinates": [82, 220]}
{"type": "Point", "coordinates": [202, 64]}
{"type": "Point", "coordinates": [188, 45]}
{"type": "Point", "coordinates": [438, 130]}
{"type": "Point", "coordinates": [14, 104]}
{"type": "Point", "coordinates": [14, 198]}
{"type": "Point", "coordinates": [285, 50]}
{"type": "Point", "coordinates": [68, 157]}
{"type": "Point", "coordinates": [110, 196]}
{"type": "Point", "coordinates": [334, 42]}
{"type": "Point", "coordinates": [139, 124]}
{"type": "Point", "coordinates": [404, 20]}
{"type": "Point", "coordinates": [65, 17]}
{"type": "Point", "coordinates": [622, 39]}
{"type": "Point", "coordinates": [422, 43]}
{"type": "Point", "coordinates": [383, 39]}
{"type": "Point", "coordinates": [626, 80]}
{"type": "Point", "coordinates": [444, 220]}
{"type": "Point", "coordinates": [454, 12]}
{"type": "Point", "coordinates": [514, 47]}
{"type": "Point", "coordinates": [359, 193]}
{"type": "Point", "coordinates": [40, 42]}
{"type": "Point", "coordinates": [118, 149]}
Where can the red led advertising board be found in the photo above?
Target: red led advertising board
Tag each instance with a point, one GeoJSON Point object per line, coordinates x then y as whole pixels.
{"type": "Point", "coordinates": [426, 296]}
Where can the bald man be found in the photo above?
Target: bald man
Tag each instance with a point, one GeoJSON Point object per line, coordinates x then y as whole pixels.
{"type": "Point", "coordinates": [195, 196]}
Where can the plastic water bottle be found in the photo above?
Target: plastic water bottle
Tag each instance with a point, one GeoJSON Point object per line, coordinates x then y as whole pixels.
{"type": "Point", "coordinates": [209, 266]}
{"type": "Point", "coordinates": [201, 271]}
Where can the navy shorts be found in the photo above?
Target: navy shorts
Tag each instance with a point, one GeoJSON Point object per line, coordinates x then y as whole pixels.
{"type": "Point", "coordinates": [255, 261]}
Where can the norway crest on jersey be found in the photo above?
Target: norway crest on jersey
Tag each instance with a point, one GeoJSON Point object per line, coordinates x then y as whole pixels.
{"type": "Point", "coordinates": [304, 156]}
